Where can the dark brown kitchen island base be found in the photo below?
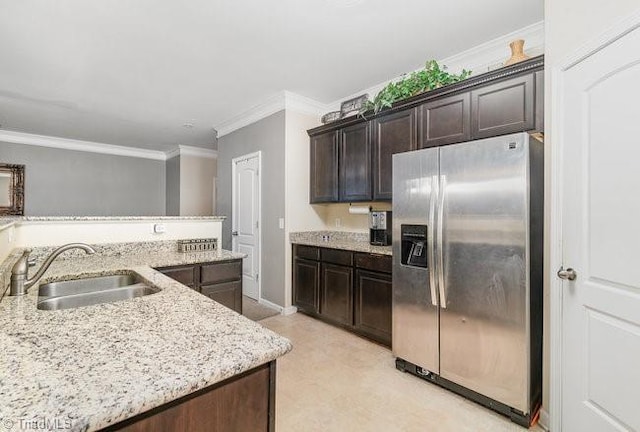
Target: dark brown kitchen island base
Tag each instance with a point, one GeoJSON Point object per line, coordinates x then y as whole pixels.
{"type": "Point", "coordinates": [245, 402]}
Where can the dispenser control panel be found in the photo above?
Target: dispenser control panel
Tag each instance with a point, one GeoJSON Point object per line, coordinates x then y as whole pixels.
{"type": "Point", "coordinates": [413, 245]}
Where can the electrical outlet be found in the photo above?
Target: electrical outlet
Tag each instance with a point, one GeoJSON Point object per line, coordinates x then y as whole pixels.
{"type": "Point", "coordinates": [159, 228]}
{"type": "Point", "coordinates": [338, 222]}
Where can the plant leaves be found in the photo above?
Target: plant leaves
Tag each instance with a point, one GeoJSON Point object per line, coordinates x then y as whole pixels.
{"type": "Point", "coordinates": [431, 77]}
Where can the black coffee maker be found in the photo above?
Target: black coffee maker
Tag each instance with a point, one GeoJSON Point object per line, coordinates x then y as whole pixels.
{"type": "Point", "coordinates": [380, 228]}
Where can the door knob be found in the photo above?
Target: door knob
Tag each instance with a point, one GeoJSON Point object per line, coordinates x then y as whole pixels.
{"type": "Point", "coordinates": [234, 233]}
{"type": "Point", "coordinates": [568, 274]}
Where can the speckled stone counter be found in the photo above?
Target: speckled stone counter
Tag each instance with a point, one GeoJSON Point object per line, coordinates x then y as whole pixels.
{"type": "Point", "coordinates": [116, 218]}
{"type": "Point", "coordinates": [353, 241]}
{"type": "Point", "coordinates": [94, 366]}
{"type": "Point", "coordinates": [6, 223]}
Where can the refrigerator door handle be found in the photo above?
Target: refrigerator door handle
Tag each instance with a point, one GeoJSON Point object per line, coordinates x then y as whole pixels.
{"type": "Point", "coordinates": [431, 257]}
{"type": "Point", "coordinates": [439, 247]}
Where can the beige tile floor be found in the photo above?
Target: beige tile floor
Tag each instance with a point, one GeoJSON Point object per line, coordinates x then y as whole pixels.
{"type": "Point", "coordinates": [256, 311]}
{"type": "Point", "coordinates": [335, 381]}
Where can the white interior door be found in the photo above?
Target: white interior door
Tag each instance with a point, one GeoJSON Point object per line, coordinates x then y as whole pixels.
{"type": "Point", "coordinates": [246, 220]}
{"type": "Point", "coordinates": [600, 178]}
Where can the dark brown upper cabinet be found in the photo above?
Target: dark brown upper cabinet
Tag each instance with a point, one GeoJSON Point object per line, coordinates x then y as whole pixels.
{"type": "Point", "coordinates": [446, 121]}
{"type": "Point", "coordinates": [503, 108]}
{"type": "Point", "coordinates": [393, 133]}
{"type": "Point", "coordinates": [539, 101]}
{"type": "Point", "coordinates": [324, 168]}
{"type": "Point", "coordinates": [355, 163]}
{"type": "Point", "coordinates": [499, 102]}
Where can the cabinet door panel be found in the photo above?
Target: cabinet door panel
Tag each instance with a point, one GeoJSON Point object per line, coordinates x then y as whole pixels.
{"type": "Point", "coordinates": [337, 293]}
{"type": "Point", "coordinates": [306, 285]}
{"type": "Point", "coordinates": [540, 101]}
{"type": "Point", "coordinates": [355, 163]}
{"type": "Point", "coordinates": [378, 263]}
{"type": "Point", "coordinates": [228, 294]}
{"type": "Point", "coordinates": [373, 305]}
{"type": "Point", "coordinates": [393, 133]}
{"type": "Point", "coordinates": [446, 121]}
{"type": "Point", "coordinates": [220, 272]}
{"type": "Point", "coordinates": [183, 274]}
{"type": "Point", "coordinates": [337, 256]}
{"type": "Point", "coordinates": [503, 108]}
{"type": "Point", "coordinates": [324, 168]}
{"type": "Point", "coordinates": [307, 252]}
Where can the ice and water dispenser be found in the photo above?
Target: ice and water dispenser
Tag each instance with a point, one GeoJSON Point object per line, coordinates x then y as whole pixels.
{"type": "Point", "coordinates": [413, 245]}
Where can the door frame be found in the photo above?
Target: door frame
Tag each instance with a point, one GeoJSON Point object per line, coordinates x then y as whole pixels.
{"type": "Point", "coordinates": [608, 37]}
{"type": "Point", "coordinates": [234, 162]}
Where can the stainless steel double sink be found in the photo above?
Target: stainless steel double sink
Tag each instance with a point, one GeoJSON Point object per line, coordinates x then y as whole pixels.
{"type": "Point", "coordinates": [90, 291]}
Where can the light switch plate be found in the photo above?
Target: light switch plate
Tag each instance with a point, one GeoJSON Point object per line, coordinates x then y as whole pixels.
{"type": "Point", "coordinates": [281, 223]}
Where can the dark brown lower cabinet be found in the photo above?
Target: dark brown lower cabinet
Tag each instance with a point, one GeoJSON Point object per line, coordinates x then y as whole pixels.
{"type": "Point", "coordinates": [344, 288]}
{"type": "Point", "coordinates": [228, 294]}
{"type": "Point", "coordinates": [306, 282]}
{"type": "Point", "coordinates": [337, 293]}
{"type": "Point", "coordinates": [242, 403]}
{"type": "Point", "coordinates": [373, 305]}
{"type": "Point", "coordinates": [186, 275]}
{"type": "Point", "coordinates": [220, 281]}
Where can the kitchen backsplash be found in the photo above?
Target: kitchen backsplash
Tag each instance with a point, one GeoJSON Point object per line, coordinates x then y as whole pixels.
{"type": "Point", "coordinates": [338, 214]}
{"type": "Point", "coordinates": [109, 249]}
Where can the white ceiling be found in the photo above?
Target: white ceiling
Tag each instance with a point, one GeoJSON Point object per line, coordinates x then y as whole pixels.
{"type": "Point", "coordinates": [133, 72]}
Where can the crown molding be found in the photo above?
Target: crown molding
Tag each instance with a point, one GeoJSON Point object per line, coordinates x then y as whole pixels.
{"type": "Point", "coordinates": [492, 54]}
{"type": "Point", "coordinates": [303, 104]}
{"type": "Point", "coordinates": [184, 150]}
{"type": "Point", "coordinates": [270, 106]}
{"type": "Point", "coordinates": [15, 137]}
{"type": "Point", "coordinates": [278, 102]}
{"type": "Point", "coordinates": [479, 59]}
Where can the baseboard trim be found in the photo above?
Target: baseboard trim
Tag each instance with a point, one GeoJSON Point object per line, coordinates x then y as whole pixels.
{"type": "Point", "coordinates": [271, 305]}
{"type": "Point", "coordinates": [289, 310]}
{"type": "Point", "coordinates": [544, 419]}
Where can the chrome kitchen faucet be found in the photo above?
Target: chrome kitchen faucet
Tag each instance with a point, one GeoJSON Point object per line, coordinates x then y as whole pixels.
{"type": "Point", "coordinates": [20, 282]}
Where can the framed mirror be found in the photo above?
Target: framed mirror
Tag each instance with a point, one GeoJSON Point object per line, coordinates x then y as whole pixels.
{"type": "Point", "coordinates": [11, 189]}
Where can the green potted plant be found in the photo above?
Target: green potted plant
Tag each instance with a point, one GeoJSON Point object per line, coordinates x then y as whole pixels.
{"type": "Point", "coordinates": [431, 77]}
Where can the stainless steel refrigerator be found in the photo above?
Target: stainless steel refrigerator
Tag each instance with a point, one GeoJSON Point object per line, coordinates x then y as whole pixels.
{"type": "Point", "coordinates": [467, 270]}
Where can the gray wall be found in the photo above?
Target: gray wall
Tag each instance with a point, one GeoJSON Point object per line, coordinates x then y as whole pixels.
{"type": "Point", "coordinates": [268, 136]}
{"type": "Point", "coordinates": [73, 183]}
{"type": "Point", "coordinates": [173, 186]}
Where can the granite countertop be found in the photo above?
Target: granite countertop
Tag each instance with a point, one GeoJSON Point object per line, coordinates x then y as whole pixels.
{"type": "Point", "coordinates": [6, 223]}
{"type": "Point", "coordinates": [116, 218]}
{"type": "Point", "coordinates": [353, 241]}
{"type": "Point", "coordinates": [94, 366]}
